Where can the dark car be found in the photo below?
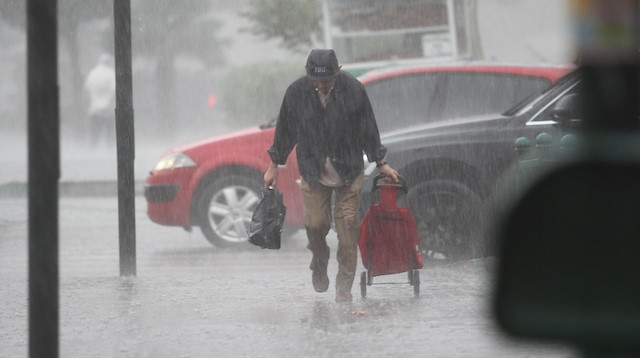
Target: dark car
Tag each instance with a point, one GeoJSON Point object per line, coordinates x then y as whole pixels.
{"type": "Point", "coordinates": [215, 183]}
{"type": "Point", "coordinates": [453, 168]}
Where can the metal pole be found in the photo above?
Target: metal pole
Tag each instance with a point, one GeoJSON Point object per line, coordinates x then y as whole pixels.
{"type": "Point", "coordinates": [453, 28]}
{"type": "Point", "coordinates": [125, 137]}
{"type": "Point", "coordinates": [43, 175]}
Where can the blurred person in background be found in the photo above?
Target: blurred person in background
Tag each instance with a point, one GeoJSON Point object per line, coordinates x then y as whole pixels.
{"type": "Point", "coordinates": [100, 85]}
{"type": "Point", "coordinates": [328, 116]}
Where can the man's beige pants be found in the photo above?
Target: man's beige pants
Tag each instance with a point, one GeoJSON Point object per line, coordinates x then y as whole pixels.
{"type": "Point", "coordinates": [317, 221]}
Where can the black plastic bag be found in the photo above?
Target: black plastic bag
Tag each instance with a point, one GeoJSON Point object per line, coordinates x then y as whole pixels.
{"type": "Point", "coordinates": [267, 220]}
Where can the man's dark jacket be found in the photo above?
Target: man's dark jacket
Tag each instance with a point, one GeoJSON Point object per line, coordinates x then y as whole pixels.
{"type": "Point", "coordinates": [342, 131]}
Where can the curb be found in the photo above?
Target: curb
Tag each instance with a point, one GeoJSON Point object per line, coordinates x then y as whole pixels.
{"type": "Point", "coordinates": [96, 188]}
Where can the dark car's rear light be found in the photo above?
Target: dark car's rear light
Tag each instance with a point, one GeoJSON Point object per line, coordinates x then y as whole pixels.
{"type": "Point", "coordinates": [160, 192]}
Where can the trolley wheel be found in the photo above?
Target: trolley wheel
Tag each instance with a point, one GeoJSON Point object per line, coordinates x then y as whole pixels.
{"type": "Point", "coordinates": [363, 284]}
{"type": "Point", "coordinates": [416, 283]}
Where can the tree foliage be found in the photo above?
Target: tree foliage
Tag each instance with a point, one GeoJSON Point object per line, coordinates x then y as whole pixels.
{"type": "Point", "coordinates": [171, 28]}
{"type": "Point", "coordinates": [294, 22]}
{"type": "Point", "coordinates": [71, 14]}
{"type": "Point", "coordinates": [13, 13]}
{"type": "Point", "coordinates": [159, 27]}
{"type": "Point", "coordinates": [252, 93]}
{"type": "Point", "coordinates": [162, 30]}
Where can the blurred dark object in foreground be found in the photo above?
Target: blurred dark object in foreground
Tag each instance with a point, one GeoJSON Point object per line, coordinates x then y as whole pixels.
{"type": "Point", "coordinates": [568, 268]}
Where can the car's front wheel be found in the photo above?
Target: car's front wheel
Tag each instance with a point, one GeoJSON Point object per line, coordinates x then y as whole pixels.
{"type": "Point", "coordinates": [226, 206]}
{"type": "Point", "coordinates": [449, 219]}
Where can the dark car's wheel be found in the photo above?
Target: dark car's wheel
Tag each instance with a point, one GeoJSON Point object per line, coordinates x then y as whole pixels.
{"type": "Point", "coordinates": [226, 206]}
{"type": "Point", "coordinates": [449, 219]}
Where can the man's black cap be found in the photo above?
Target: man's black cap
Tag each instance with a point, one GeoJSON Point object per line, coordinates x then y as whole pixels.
{"type": "Point", "coordinates": [322, 65]}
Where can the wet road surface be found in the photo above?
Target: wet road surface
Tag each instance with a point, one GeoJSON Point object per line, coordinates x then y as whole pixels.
{"type": "Point", "coordinates": [190, 299]}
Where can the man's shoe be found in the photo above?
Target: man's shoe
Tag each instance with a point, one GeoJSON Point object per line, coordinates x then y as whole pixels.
{"type": "Point", "coordinates": [343, 297]}
{"type": "Point", "coordinates": [320, 280]}
{"type": "Point", "coordinates": [434, 255]}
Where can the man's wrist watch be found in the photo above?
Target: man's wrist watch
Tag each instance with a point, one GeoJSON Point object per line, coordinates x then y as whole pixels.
{"type": "Point", "coordinates": [381, 164]}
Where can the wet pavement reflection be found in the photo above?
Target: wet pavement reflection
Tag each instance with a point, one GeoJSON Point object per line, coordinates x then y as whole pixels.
{"type": "Point", "coordinates": [193, 300]}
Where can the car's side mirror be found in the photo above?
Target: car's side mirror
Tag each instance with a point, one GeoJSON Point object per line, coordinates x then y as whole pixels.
{"type": "Point", "coordinates": [566, 111]}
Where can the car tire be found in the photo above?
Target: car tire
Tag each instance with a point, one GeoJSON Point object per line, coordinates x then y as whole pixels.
{"type": "Point", "coordinates": [448, 216]}
{"type": "Point", "coordinates": [226, 206]}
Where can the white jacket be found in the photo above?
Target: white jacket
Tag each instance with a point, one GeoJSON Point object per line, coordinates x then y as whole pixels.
{"type": "Point", "coordinates": [101, 85]}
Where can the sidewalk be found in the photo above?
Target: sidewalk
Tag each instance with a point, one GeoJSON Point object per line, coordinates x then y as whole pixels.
{"type": "Point", "coordinates": [190, 299]}
{"type": "Point", "coordinates": [84, 169]}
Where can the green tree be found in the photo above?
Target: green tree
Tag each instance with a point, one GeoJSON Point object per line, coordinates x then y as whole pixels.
{"type": "Point", "coordinates": [13, 13]}
{"type": "Point", "coordinates": [165, 29]}
{"type": "Point", "coordinates": [71, 14]}
{"type": "Point", "coordinates": [295, 22]}
{"type": "Point", "coordinates": [252, 93]}
{"type": "Point", "coordinates": [161, 30]}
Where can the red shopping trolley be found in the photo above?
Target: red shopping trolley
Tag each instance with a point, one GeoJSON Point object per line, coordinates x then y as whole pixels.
{"type": "Point", "coordinates": [388, 239]}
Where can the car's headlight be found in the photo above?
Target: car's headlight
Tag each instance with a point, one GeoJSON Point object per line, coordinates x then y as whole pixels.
{"type": "Point", "coordinates": [173, 161]}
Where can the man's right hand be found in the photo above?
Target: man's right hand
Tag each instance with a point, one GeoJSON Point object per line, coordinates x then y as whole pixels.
{"type": "Point", "coordinates": [271, 176]}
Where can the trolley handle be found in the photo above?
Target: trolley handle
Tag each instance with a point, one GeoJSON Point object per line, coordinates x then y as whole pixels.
{"type": "Point", "coordinates": [402, 184]}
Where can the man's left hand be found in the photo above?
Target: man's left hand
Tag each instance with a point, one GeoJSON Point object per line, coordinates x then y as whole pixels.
{"type": "Point", "coordinates": [389, 172]}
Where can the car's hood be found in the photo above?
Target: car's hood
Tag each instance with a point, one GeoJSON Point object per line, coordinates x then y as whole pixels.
{"type": "Point", "coordinates": [245, 135]}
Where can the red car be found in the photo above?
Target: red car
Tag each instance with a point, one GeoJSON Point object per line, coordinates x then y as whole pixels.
{"type": "Point", "coordinates": [216, 183]}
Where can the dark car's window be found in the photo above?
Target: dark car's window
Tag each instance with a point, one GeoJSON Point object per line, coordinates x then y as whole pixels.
{"type": "Point", "coordinates": [408, 100]}
{"type": "Point", "coordinates": [402, 101]}
{"type": "Point", "coordinates": [547, 115]}
{"type": "Point", "coordinates": [532, 101]}
{"type": "Point", "coordinates": [470, 94]}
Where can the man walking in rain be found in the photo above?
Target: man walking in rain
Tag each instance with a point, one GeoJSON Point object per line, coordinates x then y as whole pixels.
{"type": "Point", "coordinates": [101, 87]}
{"type": "Point", "coordinates": [328, 116]}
